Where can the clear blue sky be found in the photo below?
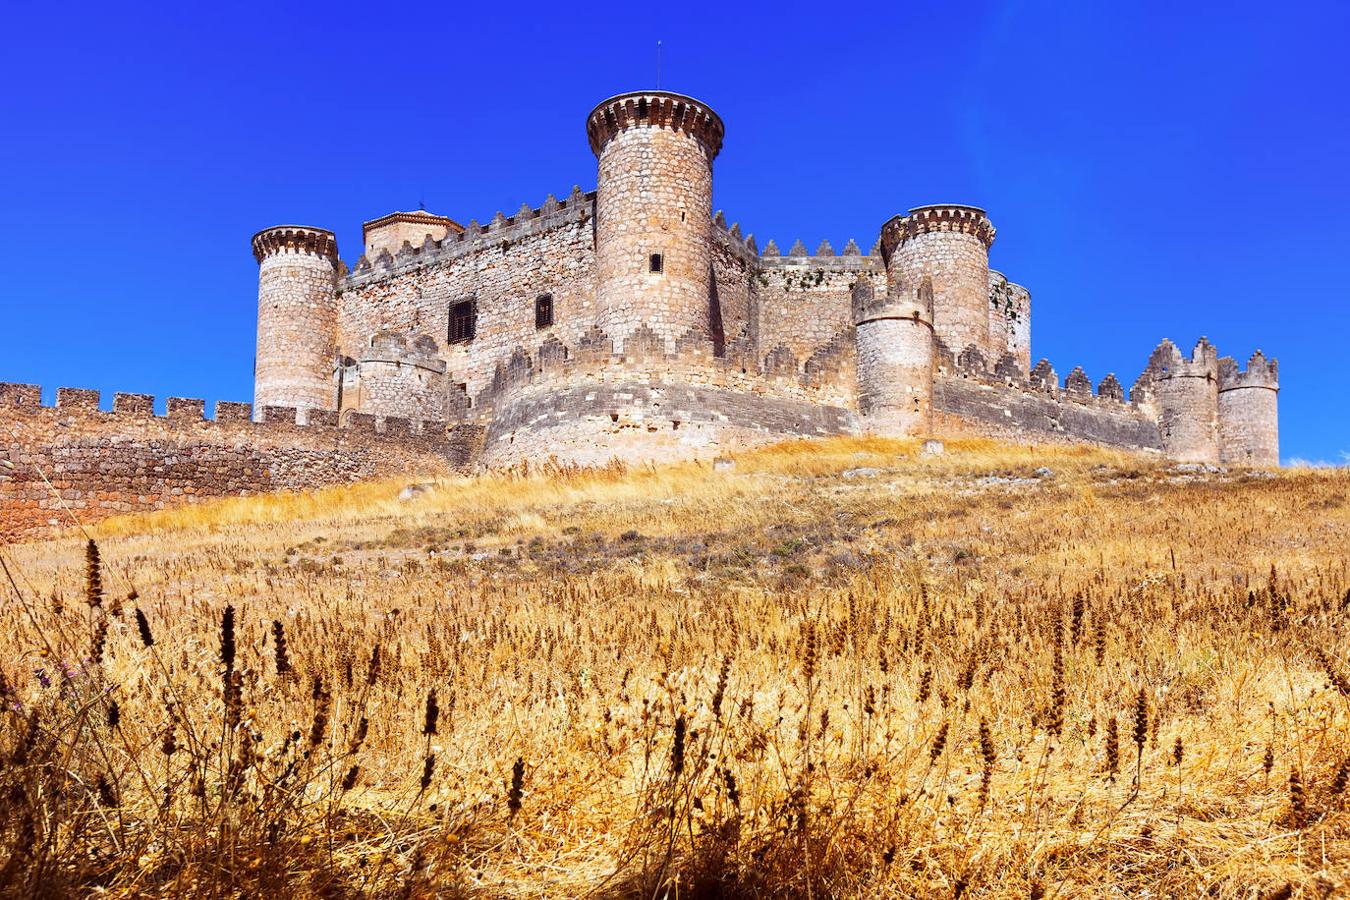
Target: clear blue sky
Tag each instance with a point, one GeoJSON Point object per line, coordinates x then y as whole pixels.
{"type": "Point", "coordinates": [1154, 168]}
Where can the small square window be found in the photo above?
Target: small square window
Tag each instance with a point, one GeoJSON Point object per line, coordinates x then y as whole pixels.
{"type": "Point", "coordinates": [656, 264]}
{"type": "Point", "coordinates": [543, 311]}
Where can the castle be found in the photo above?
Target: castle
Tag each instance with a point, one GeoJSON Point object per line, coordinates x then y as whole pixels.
{"type": "Point", "coordinates": [630, 322]}
{"type": "Point", "coordinates": [634, 322]}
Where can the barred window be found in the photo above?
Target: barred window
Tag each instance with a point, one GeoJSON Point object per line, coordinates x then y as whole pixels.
{"type": "Point", "coordinates": [543, 311]}
{"type": "Point", "coordinates": [463, 322]}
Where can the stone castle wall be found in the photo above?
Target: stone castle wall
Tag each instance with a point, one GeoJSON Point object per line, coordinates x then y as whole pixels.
{"type": "Point", "coordinates": [502, 268]}
{"type": "Point", "coordinates": [1009, 320]}
{"type": "Point", "coordinates": [1038, 409]}
{"type": "Point", "coordinates": [131, 460]}
{"type": "Point", "coordinates": [804, 301]}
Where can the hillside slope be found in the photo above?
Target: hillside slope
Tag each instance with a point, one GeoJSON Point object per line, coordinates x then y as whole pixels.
{"type": "Point", "coordinates": [833, 669]}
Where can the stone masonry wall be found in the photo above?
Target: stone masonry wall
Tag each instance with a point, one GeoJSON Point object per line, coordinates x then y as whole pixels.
{"type": "Point", "coordinates": [804, 301]}
{"type": "Point", "coordinates": [503, 267]}
{"type": "Point", "coordinates": [130, 460]}
{"type": "Point", "coordinates": [1009, 320]}
{"type": "Point", "coordinates": [1016, 412]}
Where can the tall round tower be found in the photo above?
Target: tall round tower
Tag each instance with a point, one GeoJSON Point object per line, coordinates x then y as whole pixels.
{"type": "Point", "coordinates": [895, 351]}
{"type": "Point", "coordinates": [1249, 427]}
{"type": "Point", "coordinates": [1187, 395]}
{"type": "Point", "coordinates": [949, 245]}
{"type": "Point", "coordinates": [653, 210]}
{"type": "Point", "coordinates": [297, 317]}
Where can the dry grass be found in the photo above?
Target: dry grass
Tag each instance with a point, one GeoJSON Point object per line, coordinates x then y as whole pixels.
{"type": "Point", "coordinates": [947, 677]}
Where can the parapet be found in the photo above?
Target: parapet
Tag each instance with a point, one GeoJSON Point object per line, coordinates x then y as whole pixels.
{"type": "Point", "coordinates": [1260, 372]}
{"type": "Point", "coordinates": [391, 346]}
{"type": "Point", "coordinates": [80, 407]}
{"type": "Point", "coordinates": [295, 239]}
{"type": "Point", "coordinates": [1167, 361]}
{"type": "Point", "coordinates": [660, 109]}
{"type": "Point", "coordinates": [938, 218]}
{"type": "Point", "coordinates": [501, 231]}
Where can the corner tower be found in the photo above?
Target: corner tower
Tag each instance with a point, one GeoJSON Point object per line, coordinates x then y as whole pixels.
{"type": "Point", "coordinates": [1187, 394]}
{"type": "Point", "coordinates": [949, 245]}
{"type": "Point", "coordinates": [297, 317]}
{"type": "Point", "coordinates": [653, 213]}
{"type": "Point", "coordinates": [1249, 429]}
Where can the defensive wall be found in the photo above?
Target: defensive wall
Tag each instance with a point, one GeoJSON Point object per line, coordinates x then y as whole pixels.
{"type": "Point", "coordinates": [103, 463]}
{"type": "Point", "coordinates": [590, 403]}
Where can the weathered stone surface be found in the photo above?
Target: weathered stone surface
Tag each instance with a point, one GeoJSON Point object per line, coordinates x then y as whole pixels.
{"type": "Point", "coordinates": [105, 463]}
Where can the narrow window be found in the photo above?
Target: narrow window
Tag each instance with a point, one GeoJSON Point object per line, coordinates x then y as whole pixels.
{"type": "Point", "coordinates": [543, 311]}
{"type": "Point", "coordinates": [656, 264]}
{"type": "Point", "coordinates": [463, 322]}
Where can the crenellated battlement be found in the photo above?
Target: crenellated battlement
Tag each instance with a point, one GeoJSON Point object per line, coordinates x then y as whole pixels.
{"type": "Point", "coordinates": [389, 346]}
{"type": "Point", "coordinates": [75, 459]}
{"type": "Point", "coordinates": [654, 109]}
{"type": "Point", "coordinates": [1076, 387]}
{"type": "Point", "coordinates": [1167, 361]}
{"type": "Point", "coordinates": [937, 219]}
{"type": "Point", "coordinates": [302, 239]}
{"type": "Point", "coordinates": [826, 374]}
{"type": "Point", "coordinates": [501, 231]}
{"type": "Point", "coordinates": [1259, 373]}
{"type": "Point", "coordinates": [76, 406]}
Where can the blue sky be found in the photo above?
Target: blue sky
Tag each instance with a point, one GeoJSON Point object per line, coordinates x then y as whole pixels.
{"type": "Point", "coordinates": [1154, 169]}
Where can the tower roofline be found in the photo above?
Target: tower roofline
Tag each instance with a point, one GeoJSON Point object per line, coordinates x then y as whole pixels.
{"type": "Point", "coordinates": [301, 238]}
{"type": "Point", "coordinates": [418, 217]}
{"type": "Point", "coordinates": [937, 217]}
{"type": "Point", "coordinates": [661, 108]}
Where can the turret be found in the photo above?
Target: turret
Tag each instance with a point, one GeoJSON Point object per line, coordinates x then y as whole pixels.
{"type": "Point", "coordinates": [895, 355]}
{"type": "Point", "coordinates": [297, 318]}
{"type": "Point", "coordinates": [1249, 430]}
{"type": "Point", "coordinates": [949, 245]}
{"type": "Point", "coordinates": [395, 377]}
{"type": "Point", "coordinates": [653, 211]}
{"type": "Point", "coordinates": [1187, 395]}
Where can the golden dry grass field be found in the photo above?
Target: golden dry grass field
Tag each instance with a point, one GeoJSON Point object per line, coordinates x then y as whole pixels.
{"type": "Point", "coordinates": [838, 669]}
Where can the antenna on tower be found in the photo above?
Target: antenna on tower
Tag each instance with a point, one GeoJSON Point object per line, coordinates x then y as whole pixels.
{"type": "Point", "coordinates": [658, 65]}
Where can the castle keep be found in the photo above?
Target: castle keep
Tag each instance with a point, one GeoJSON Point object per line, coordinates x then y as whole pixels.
{"type": "Point", "coordinates": [628, 322]}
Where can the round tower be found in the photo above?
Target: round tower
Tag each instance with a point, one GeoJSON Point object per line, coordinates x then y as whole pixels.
{"type": "Point", "coordinates": [1187, 395]}
{"type": "Point", "coordinates": [1249, 428]}
{"type": "Point", "coordinates": [895, 356]}
{"type": "Point", "coordinates": [653, 213]}
{"type": "Point", "coordinates": [949, 245]}
{"type": "Point", "coordinates": [297, 318]}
